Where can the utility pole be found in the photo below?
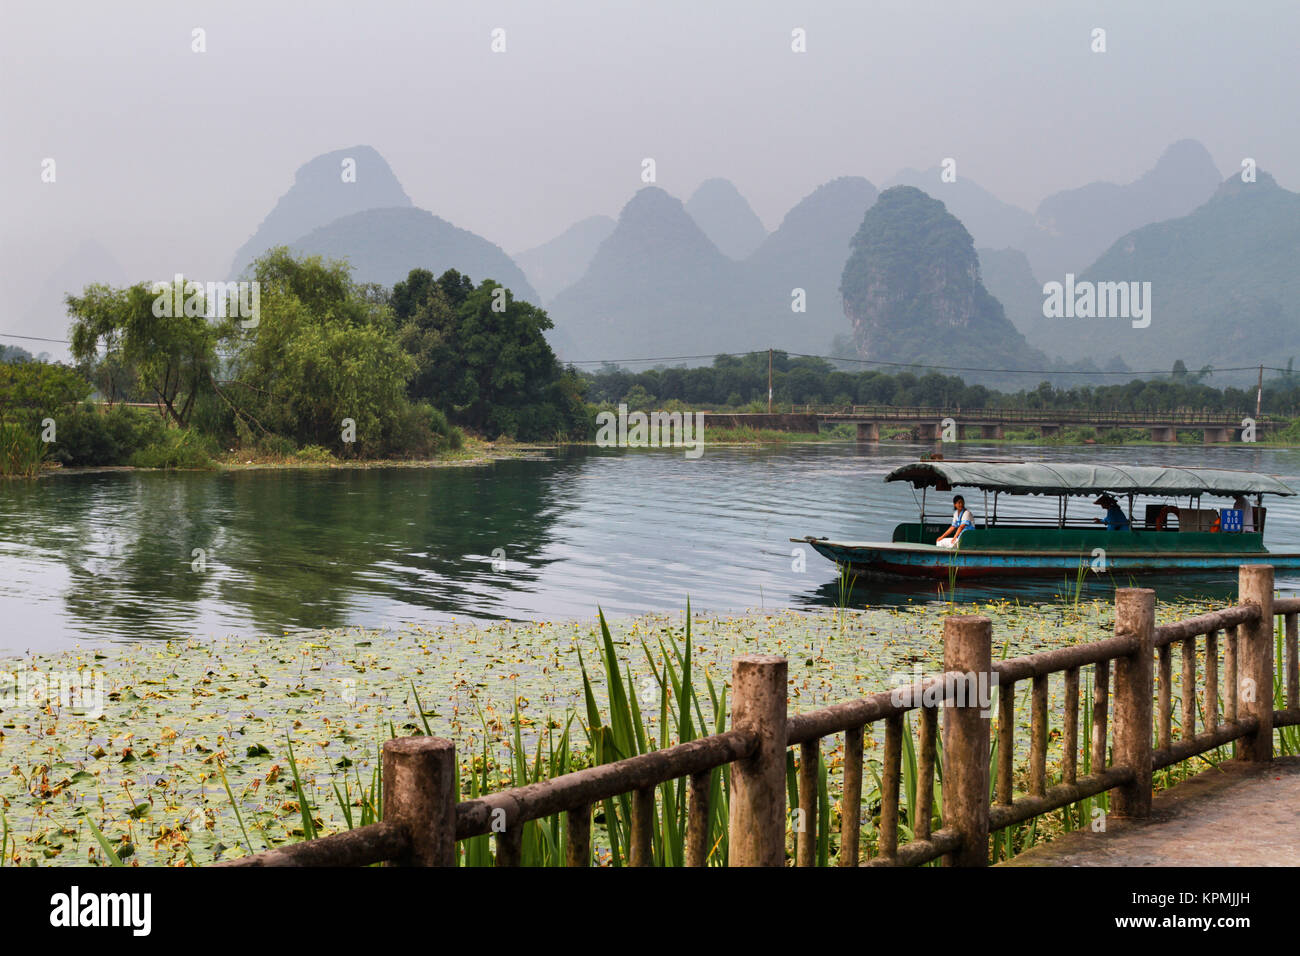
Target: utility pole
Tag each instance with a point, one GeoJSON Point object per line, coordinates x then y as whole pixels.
{"type": "Point", "coordinates": [1259, 392]}
{"type": "Point", "coordinates": [769, 380]}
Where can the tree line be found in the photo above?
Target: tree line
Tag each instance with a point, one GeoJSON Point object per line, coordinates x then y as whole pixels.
{"type": "Point", "coordinates": [741, 382]}
{"type": "Point", "coordinates": [334, 368]}
{"type": "Point", "coordinates": [328, 366]}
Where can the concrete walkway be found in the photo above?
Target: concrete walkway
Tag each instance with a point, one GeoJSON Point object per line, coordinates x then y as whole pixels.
{"type": "Point", "coordinates": [1232, 815]}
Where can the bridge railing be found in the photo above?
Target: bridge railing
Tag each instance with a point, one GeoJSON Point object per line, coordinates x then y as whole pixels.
{"type": "Point", "coordinates": [1187, 417]}
{"type": "Point", "coordinates": [1131, 704]}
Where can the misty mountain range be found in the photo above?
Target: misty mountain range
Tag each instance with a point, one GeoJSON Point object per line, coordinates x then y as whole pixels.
{"type": "Point", "coordinates": [672, 279]}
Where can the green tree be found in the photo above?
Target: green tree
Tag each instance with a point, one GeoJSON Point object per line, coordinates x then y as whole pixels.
{"type": "Point", "coordinates": [324, 351]}
{"type": "Point", "coordinates": [482, 355]}
{"type": "Point", "coordinates": [31, 391]}
{"type": "Point", "coordinates": [171, 357]}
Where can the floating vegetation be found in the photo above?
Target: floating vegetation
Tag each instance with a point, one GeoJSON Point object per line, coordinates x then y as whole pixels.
{"type": "Point", "coordinates": [206, 750]}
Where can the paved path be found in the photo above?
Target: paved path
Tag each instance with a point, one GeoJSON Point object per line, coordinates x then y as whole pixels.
{"type": "Point", "coordinates": [1232, 815]}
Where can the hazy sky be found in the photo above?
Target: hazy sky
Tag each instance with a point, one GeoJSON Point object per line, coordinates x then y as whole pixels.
{"type": "Point", "coordinates": [171, 158]}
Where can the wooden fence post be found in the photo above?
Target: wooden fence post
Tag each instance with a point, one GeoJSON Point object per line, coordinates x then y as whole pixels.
{"type": "Point", "coordinates": [1255, 662]}
{"type": "Point", "coordinates": [968, 650]}
{"type": "Point", "coordinates": [419, 795]}
{"type": "Point", "coordinates": [1135, 615]}
{"type": "Point", "coordinates": [756, 828]}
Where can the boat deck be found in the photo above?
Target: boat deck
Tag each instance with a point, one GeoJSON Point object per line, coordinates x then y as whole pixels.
{"type": "Point", "coordinates": [915, 548]}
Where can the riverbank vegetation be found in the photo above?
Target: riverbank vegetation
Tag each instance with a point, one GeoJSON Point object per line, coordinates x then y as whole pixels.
{"type": "Point", "coordinates": [333, 370]}
{"type": "Point", "coordinates": [208, 750]}
{"type": "Point", "coordinates": [740, 382]}
{"type": "Point", "coordinates": [327, 367]}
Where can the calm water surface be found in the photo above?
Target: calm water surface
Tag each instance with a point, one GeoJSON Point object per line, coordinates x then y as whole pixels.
{"type": "Point", "coordinates": [111, 555]}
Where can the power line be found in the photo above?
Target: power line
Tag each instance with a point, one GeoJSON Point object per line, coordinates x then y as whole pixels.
{"type": "Point", "coordinates": [33, 338]}
{"type": "Point", "coordinates": [1019, 371]}
{"type": "Point", "coordinates": [665, 358]}
{"type": "Point", "coordinates": [828, 358]}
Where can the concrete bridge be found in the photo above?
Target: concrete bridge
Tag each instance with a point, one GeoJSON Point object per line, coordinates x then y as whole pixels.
{"type": "Point", "coordinates": [991, 423]}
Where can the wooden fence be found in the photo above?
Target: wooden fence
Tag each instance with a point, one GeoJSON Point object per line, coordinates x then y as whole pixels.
{"type": "Point", "coordinates": [423, 820]}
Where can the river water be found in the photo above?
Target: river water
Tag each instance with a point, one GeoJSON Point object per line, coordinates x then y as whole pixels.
{"type": "Point", "coordinates": [149, 555]}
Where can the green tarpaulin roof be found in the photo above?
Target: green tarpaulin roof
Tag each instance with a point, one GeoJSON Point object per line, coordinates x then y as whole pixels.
{"type": "Point", "coordinates": [1044, 478]}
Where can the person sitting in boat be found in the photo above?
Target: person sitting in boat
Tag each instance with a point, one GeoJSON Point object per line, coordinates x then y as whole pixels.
{"type": "Point", "coordinates": [1115, 519]}
{"type": "Point", "coordinates": [1247, 514]}
{"type": "Point", "coordinates": [962, 521]}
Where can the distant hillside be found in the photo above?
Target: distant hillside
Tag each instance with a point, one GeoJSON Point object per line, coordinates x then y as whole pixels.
{"type": "Point", "coordinates": [1075, 226]}
{"type": "Point", "coordinates": [912, 290]}
{"type": "Point", "coordinates": [1010, 280]}
{"type": "Point", "coordinates": [555, 265]}
{"type": "Point", "coordinates": [726, 217]}
{"type": "Point", "coordinates": [384, 245]}
{"type": "Point", "coordinates": [807, 251]}
{"type": "Point", "coordinates": [657, 286]}
{"type": "Point", "coordinates": [90, 262]}
{"type": "Point", "coordinates": [319, 196]}
{"type": "Point", "coordinates": [1224, 284]}
{"type": "Point", "coordinates": [990, 221]}
{"type": "Point", "coordinates": [658, 282]}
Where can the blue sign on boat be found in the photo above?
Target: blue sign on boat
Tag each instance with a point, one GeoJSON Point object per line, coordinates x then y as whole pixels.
{"type": "Point", "coordinates": [1230, 519]}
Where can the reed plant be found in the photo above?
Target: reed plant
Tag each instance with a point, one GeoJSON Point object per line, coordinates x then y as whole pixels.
{"type": "Point", "coordinates": [845, 583]}
{"type": "Point", "coordinates": [22, 453]}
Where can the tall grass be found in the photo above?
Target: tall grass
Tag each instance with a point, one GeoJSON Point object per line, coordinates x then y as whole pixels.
{"type": "Point", "coordinates": [1286, 738]}
{"type": "Point", "coordinates": [21, 452]}
{"type": "Point", "coordinates": [845, 583]}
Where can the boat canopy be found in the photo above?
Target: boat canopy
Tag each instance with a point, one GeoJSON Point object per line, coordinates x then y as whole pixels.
{"type": "Point", "coordinates": [1044, 478]}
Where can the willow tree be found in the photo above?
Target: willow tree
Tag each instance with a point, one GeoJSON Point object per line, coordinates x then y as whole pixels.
{"type": "Point", "coordinates": [169, 357]}
{"type": "Point", "coordinates": [323, 364]}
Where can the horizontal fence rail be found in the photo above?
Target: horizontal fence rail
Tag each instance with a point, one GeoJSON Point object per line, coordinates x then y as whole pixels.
{"type": "Point", "coordinates": [1132, 736]}
{"type": "Point", "coordinates": [1190, 418]}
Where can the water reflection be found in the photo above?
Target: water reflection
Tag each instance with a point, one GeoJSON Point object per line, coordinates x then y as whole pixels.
{"type": "Point", "coordinates": [111, 555]}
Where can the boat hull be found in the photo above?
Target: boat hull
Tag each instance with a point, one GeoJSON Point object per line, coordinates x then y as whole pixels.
{"type": "Point", "coordinates": [897, 559]}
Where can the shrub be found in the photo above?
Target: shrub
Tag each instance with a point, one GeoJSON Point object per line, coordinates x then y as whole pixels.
{"type": "Point", "coordinates": [315, 453]}
{"type": "Point", "coordinates": [1290, 434]}
{"type": "Point", "coordinates": [421, 431]}
{"type": "Point", "coordinates": [178, 448]}
{"type": "Point", "coordinates": [275, 446]}
{"type": "Point", "coordinates": [87, 436]}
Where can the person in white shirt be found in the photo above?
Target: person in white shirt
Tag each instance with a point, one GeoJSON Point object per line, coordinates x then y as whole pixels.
{"type": "Point", "coordinates": [1247, 514]}
{"type": "Point", "coordinates": [962, 521]}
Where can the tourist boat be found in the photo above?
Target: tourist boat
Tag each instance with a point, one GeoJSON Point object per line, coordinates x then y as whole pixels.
{"type": "Point", "coordinates": [1172, 534]}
